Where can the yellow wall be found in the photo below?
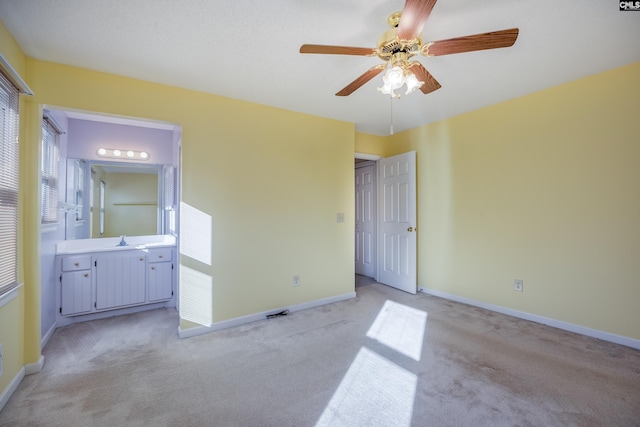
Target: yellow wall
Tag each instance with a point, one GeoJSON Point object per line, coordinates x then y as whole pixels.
{"type": "Point", "coordinates": [371, 144]}
{"type": "Point", "coordinates": [261, 173]}
{"type": "Point", "coordinates": [11, 337]}
{"type": "Point", "coordinates": [543, 188]}
{"type": "Point", "coordinates": [12, 315]}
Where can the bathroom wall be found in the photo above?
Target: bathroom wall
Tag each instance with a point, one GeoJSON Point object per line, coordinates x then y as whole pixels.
{"type": "Point", "coordinates": [86, 136]}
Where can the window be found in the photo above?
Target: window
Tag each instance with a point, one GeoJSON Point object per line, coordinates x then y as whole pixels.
{"type": "Point", "coordinates": [49, 169]}
{"type": "Point", "coordinates": [9, 105]}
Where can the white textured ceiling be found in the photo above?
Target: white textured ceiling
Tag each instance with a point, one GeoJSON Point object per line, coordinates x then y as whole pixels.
{"type": "Point", "coordinates": [248, 49]}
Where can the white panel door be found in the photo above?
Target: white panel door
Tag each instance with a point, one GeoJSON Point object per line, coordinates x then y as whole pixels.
{"type": "Point", "coordinates": [365, 220]}
{"type": "Point", "coordinates": [397, 238]}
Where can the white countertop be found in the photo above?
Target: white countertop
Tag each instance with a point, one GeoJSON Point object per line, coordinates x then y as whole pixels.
{"type": "Point", "coordinates": [106, 244]}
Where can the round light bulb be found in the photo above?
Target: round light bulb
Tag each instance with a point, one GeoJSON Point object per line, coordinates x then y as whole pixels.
{"type": "Point", "coordinates": [395, 77]}
{"type": "Point", "coordinates": [102, 152]}
{"type": "Point", "coordinates": [130, 153]}
{"type": "Point", "coordinates": [116, 153]}
{"type": "Point", "coordinates": [144, 155]}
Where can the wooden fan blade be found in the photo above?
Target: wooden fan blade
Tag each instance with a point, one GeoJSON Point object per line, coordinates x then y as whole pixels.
{"type": "Point", "coordinates": [421, 73]}
{"type": "Point", "coordinates": [492, 40]}
{"type": "Point", "coordinates": [336, 50]}
{"type": "Point", "coordinates": [414, 15]}
{"type": "Point", "coordinates": [368, 75]}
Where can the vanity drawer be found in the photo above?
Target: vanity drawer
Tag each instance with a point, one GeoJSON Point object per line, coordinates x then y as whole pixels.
{"type": "Point", "coordinates": [159, 255]}
{"type": "Point", "coordinates": [74, 263]}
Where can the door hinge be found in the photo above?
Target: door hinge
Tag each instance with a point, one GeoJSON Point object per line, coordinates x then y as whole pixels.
{"type": "Point", "coordinates": [95, 305]}
{"type": "Point", "coordinates": [171, 293]}
{"type": "Point", "coordinates": [172, 266]}
{"type": "Point", "coordinates": [61, 282]}
{"type": "Point", "coordinates": [60, 310]}
{"type": "Point", "coordinates": [95, 263]}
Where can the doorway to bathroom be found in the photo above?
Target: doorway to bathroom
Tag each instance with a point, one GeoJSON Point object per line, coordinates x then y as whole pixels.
{"type": "Point", "coordinates": [115, 176]}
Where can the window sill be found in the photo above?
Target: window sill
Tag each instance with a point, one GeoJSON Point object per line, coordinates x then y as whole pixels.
{"type": "Point", "coordinates": [7, 297]}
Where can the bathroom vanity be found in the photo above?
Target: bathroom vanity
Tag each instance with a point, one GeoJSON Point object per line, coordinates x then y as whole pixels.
{"type": "Point", "coordinates": [103, 277]}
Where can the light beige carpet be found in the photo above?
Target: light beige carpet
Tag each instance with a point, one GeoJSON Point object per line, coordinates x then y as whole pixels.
{"type": "Point", "coordinates": [384, 358]}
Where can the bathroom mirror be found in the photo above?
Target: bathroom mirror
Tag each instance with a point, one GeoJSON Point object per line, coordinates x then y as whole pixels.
{"type": "Point", "coordinates": [111, 199]}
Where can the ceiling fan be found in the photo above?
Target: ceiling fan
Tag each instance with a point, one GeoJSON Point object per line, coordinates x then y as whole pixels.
{"type": "Point", "coordinates": [402, 42]}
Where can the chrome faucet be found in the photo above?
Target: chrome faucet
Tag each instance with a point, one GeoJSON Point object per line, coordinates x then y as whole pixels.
{"type": "Point", "coordinates": [122, 242]}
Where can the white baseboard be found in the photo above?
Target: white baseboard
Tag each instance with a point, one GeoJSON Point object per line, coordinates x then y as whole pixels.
{"type": "Point", "coordinates": [34, 368]}
{"type": "Point", "coordinates": [595, 333]}
{"type": "Point", "coordinates": [13, 385]}
{"type": "Point", "coordinates": [225, 324]}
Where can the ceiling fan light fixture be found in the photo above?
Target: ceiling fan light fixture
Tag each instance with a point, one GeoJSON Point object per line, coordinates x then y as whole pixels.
{"type": "Point", "coordinates": [395, 77]}
{"type": "Point", "coordinates": [412, 83]}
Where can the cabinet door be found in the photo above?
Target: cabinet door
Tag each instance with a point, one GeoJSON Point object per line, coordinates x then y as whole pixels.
{"type": "Point", "coordinates": [160, 281]}
{"type": "Point", "coordinates": [76, 292]}
{"type": "Point", "coordinates": [120, 280]}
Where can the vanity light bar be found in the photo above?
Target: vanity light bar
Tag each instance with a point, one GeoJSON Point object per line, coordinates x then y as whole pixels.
{"type": "Point", "coordinates": [115, 153]}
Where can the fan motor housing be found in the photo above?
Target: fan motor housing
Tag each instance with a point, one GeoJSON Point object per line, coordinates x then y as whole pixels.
{"type": "Point", "coordinates": [389, 43]}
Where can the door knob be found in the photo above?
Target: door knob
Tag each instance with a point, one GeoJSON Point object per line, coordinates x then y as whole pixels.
{"type": "Point", "coordinates": [410, 229]}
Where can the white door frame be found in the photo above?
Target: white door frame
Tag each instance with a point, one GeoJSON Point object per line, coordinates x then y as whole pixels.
{"type": "Point", "coordinates": [367, 224]}
{"type": "Point", "coordinates": [373, 159]}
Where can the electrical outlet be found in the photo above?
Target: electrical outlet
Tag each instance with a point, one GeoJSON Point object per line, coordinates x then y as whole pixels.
{"type": "Point", "coordinates": [518, 285]}
{"type": "Point", "coordinates": [1, 359]}
{"type": "Point", "coordinates": [296, 280]}
{"type": "Point", "coordinates": [340, 217]}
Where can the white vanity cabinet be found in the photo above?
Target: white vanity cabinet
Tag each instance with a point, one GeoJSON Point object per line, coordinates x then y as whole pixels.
{"type": "Point", "coordinates": [75, 284]}
{"type": "Point", "coordinates": [160, 274]}
{"type": "Point", "coordinates": [120, 278]}
{"type": "Point", "coordinates": [105, 279]}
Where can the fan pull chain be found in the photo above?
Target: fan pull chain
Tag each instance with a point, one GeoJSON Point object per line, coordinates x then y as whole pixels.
{"type": "Point", "coordinates": [391, 114]}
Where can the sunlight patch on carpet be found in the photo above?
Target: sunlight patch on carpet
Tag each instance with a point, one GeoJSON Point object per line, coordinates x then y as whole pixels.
{"type": "Point", "coordinates": [374, 391]}
{"type": "Point", "coordinates": [401, 328]}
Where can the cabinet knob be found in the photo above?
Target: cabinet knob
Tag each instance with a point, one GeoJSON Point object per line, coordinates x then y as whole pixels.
{"type": "Point", "coordinates": [159, 256]}
{"type": "Point", "coordinates": [76, 263]}
{"type": "Point", "coordinates": [153, 268]}
{"type": "Point", "coordinates": [141, 259]}
{"type": "Point", "coordinates": [86, 274]}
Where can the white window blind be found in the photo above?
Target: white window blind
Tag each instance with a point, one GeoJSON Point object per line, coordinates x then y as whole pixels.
{"type": "Point", "coordinates": [49, 169]}
{"type": "Point", "coordinates": [9, 106]}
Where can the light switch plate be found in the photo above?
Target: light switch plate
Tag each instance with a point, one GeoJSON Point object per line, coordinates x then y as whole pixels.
{"type": "Point", "coordinates": [340, 217]}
